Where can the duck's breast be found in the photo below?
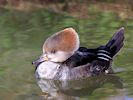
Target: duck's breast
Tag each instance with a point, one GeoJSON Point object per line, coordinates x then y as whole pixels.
{"type": "Point", "coordinates": [47, 70]}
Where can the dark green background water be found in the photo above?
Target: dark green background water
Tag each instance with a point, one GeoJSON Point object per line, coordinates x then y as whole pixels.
{"type": "Point", "coordinates": [23, 33]}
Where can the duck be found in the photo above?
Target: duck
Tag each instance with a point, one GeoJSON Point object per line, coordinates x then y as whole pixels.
{"type": "Point", "coordinates": [63, 59]}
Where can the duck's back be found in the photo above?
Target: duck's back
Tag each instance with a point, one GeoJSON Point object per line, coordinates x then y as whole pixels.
{"type": "Point", "coordinates": [81, 57]}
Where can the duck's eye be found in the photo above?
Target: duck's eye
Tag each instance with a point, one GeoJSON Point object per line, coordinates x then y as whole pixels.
{"type": "Point", "coordinates": [46, 52]}
{"type": "Point", "coordinates": [53, 51]}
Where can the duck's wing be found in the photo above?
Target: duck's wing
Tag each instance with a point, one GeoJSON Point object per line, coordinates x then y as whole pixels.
{"type": "Point", "coordinates": [106, 53]}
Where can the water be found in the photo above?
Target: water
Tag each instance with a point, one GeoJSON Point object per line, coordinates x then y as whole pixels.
{"type": "Point", "coordinates": [21, 37]}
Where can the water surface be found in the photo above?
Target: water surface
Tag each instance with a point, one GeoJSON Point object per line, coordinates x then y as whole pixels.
{"type": "Point", "coordinates": [22, 35]}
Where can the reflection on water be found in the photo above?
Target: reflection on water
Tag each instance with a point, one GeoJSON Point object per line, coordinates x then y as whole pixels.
{"type": "Point", "coordinates": [75, 89]}
{"type": "Point", "coordinates": [21, 37]}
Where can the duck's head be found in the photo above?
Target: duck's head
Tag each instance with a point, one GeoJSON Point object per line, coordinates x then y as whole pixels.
{"type": "Point", "coordinates": [60, 46]}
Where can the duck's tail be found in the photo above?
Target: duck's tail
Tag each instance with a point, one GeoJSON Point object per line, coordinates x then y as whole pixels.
{"type": "Point", "coordinates": [108, 51]}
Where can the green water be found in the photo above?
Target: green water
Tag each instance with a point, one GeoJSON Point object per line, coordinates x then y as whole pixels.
{"type": "Point", "coordinates": [23, 33]}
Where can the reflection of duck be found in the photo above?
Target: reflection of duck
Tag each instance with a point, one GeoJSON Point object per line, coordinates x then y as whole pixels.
{"type": "Point", "coordinates": [77, 88]}
{"type": "Point", "coordinates": [61, 58]}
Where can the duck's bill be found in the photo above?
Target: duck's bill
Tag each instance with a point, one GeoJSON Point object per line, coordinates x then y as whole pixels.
{"type": "Point", "coordinates": [39, 60]}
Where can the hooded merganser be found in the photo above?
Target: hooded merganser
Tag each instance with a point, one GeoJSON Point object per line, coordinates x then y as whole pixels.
{"type": "Point", "coordinates": [63, 59]}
